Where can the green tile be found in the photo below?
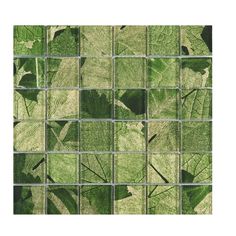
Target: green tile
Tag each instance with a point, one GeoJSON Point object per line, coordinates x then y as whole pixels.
{"type": "Point", "coordinates": [29, 104]}
{"type": "Point", "coordinates": [196, 104]}
{"type": "Point", "coordinates": [29, 168]}
{"type": "Point", "coordinates": [96, 168]}
{"type": "Point", "coordinates": [62, 199]}
{"type": "Point", "coordinates": [196, 136]}
{"type": "Point", "coordinates": [63, 40]}
{"type": "Point", "coordinates": [96, 41]}
{"type": "Point", "coordinates": [29, 200]}
{"type": "Point", "coordinates": [29, 72]}
{"type": "Point", "coordinates": [196, 40]}
{"type": "Point", "coordinates": [163, 136]}
{"type": "Point", "coordinates": [196, 168]}
{"type": "Point", "coordinates": [130, 72]}
{"type": "Point", "coordinates": [29, 136]}
{"type": "Point", "coordinates": [96, 136]}
{"type": "Point", "coordinates": [96, 200]}
{"type": "Point", "coordinates": [163, 200]}
{"type": "Point", "coordinates": [62, 168]}
{"type": "Point", "coordinates": [129, 199]}
{"type": "Point", "coordinates": [130, 136]}
{"type": "Point", "coordinates": [197, 199]}
{"type": "Point", "coordinates": [63, 104]}
{"type": "Point", "coordinates": [100, 77]}
{"type": "Point", "coordinates": [130, 104]}
{"type": "Point", "coordinates": [130, 168]}
{"type": "Point", "coordinates": [196, 73]}
{"type": "Point", "coordinates": [29, 40]}
{"type": "Point", "coordinates": [62, 136]}
{"type": "Point", "coordinates": [163, 72]}
{"type": "Point", "coordinates": [96, 104]}
{"type": "Point", "coordinates": [163, 104]}
{"type": "Point", "coordinates": [163, 40]}
{"type": "Point", "coordinates": [130, 40]}
{"type": "Point", "coordinates": [63, 72]}
{"type": "Point", "coordinates": [163, 168]}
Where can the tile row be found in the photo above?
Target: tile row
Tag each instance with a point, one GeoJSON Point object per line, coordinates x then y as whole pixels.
{"type": "Point", "coordinates": [107, 73]}
{"type": "Point", "coordinates": [122, 199]}
{"type": "Point", "coordinates": [107, 40]}
{"type": "Point", "coordinates": [153, 136]}
{"type": "Point", "coordinates": [121, 168]}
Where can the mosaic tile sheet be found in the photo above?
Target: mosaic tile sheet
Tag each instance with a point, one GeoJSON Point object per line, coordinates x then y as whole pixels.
{"type": "Point", "coordinates": [112, 119]}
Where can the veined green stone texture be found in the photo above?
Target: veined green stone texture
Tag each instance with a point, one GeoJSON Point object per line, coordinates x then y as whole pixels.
{"type": "Point", "coordinates": [112, 119]}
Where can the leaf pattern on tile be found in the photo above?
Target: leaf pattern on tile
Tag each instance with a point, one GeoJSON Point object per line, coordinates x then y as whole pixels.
{"type": "Point", "coordinates": [196, 168]}
{"type": "Point", "coordinates": [163, 200]}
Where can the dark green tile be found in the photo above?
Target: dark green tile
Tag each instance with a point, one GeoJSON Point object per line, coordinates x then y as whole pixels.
{"type": "Point", "coordinates": [96, 104]}
{"type": "Point", "coordinates": [29, 200]}
{"type": "Point", "coordinates": [29, 168]}
{"type": "Point", "coordinates": [130, 104]}
{"type": "Point", "coordinates": [62, 199]}
{"type": "Point", "coordinates": [96, 200]}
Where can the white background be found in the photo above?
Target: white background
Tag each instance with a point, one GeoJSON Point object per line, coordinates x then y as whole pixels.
{"type": "Point", "coordinates": [221, 14]}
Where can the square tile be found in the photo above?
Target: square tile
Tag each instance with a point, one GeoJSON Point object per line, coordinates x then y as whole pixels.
{"type": "Point", "coordinates": [196, 40]}
{"type": "Point", "coordinates": [130, 104]}
{"type": "Point", "coordinates": [29, 136]}
{"type": "Point", "coordinates": [62, 200]}
{"type": "Point", "coordinates": [130, 136]}
{"type": "Point", "coordinates": [96, 168]}
{"type": "Point", "coordinates": [96, 104]}
{"type": "Point", "coordinates": [62, 168]}
{"type": "Point", "coordinates": [196, 104]}
{"type": "Point", "coordinates": [196, 73]}
{"type": "Point", "coordinates": [96, 41]}
{"type": "Point", "coordinates": [196, 168]}
{"type": "Point", "coordinates": [163, 72]}
{"type": "Point", "coordinates": [63, 40]}
{"type": "Point", "coordinates": [197, 199]}
{"type": "Point", "coordinates": [163, 104]}
{"type": "Point", "coordinates": [29, 72]}
{"type": "Point", "coordinates": [29, 104]}
{"type": "Point", "coordinates": [29, 40]}
{"type": "Point", "coordinates": [130, 168]}
{"type": "Point", "coordinates": [163, 168]}
{"type": "Point", "coordinates": [63, 104]}
{"type": "Point", "coordinates": [100, 77]}
{"type": "Point", "coordinates": [130, 72]}
{"type": "Point", "coordinates": [63, 136]}
{"type": "Point", "coordinates": [163, 40]}
{"type": "Point", "coordinates": [130, 40]}
{"type": "Point", "coordinates": [163, 200]}
{"type": "Point", "coordinates": [96, 199]}
{"type": "Point", "coordinates": [63, 72]}
{"type": "Point", "coordinates": [163, 136]}
{"type": "Point", "coordinates": [29, 168]}
{"type": "Point", "coordinates": [96, 136]}
{"type": "Point", "coordinates": [29, 200]}
{"type": "Point", "coordinates": [129, 199]}
{"type": "Point", "coordinates": [196, 136]}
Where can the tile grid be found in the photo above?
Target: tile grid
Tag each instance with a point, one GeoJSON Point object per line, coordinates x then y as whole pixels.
{"type": "Point", "coordinates": [146, 120]}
